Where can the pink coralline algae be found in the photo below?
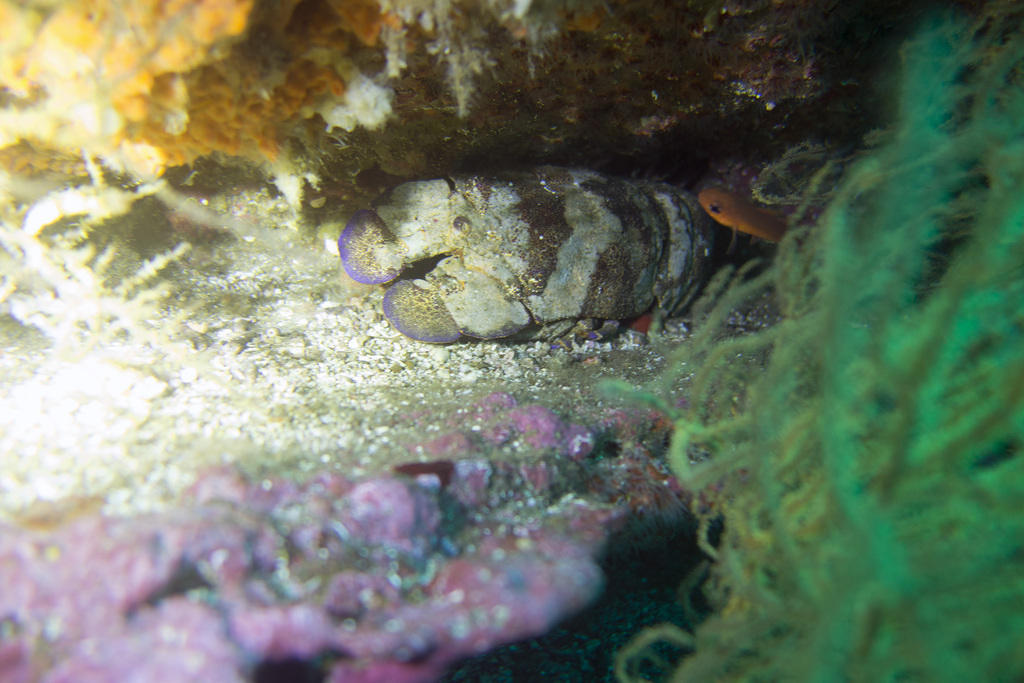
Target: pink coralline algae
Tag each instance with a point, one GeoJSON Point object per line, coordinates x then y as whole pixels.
{"type": "Point", "coordinates": [499, 420]}
{"type": "Point", "coordinates": [541, 428]}
{"type": "Point", "coordinates": [388, 511]}
{"type": "Point", "coordinates": [390, 578]}
{"type": "Point", "coordinates": [369, 582]}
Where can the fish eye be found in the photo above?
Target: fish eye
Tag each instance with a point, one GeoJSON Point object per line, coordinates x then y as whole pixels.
{"type": "Point", "coordinates": [714, 208]}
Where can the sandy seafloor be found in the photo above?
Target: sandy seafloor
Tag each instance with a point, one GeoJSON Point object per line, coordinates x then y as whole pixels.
{"type": "Point", "coordinates": [278, 364]}
{"type": "Point", "coordinates": [269, 361]}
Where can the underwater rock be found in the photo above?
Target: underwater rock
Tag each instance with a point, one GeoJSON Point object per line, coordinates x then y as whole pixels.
{"type": "Point", "coordinates": [362, 579]}
{"type": "Point", "coordinates": [386, 511]}
{"type": "Point", "coordinates": [209, 591]}
{"type": "Point", "coordinates": [499, 419]}
{"type": "Point", "coordinates": [385, 577]}
{"type": "Point", "coordinates": [527, 252]}
{"type": "Point", "coordinates": [541, 428]}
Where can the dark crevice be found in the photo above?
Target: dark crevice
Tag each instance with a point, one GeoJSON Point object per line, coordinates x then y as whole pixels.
{"type": "Point", "coordinates": [419, 269]}
{"type": "Point", "coordinates": [642, 589]}
{"type": "Point", "coordinates": [291, 670]}
{"type": "Point", "coordinates": [185, 579]}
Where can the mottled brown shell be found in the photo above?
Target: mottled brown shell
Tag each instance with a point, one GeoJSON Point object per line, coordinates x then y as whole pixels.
{"type": "Point", "coordinates": [528, 251]}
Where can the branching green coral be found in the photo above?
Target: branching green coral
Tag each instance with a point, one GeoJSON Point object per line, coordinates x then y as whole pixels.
{"type": "Point", "coordinates": [875, 531]}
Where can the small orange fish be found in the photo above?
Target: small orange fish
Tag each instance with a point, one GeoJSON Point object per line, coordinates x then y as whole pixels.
{"type": "Point", "coordinates": [733, 211]}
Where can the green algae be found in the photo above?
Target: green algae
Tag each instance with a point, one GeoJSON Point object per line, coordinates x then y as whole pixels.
{"type": "Point", "coordinates": [865, 452]}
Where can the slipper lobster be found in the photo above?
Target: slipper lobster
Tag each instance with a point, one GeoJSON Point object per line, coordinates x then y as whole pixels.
{"type": "Point", "coordinates": [527, 253]}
